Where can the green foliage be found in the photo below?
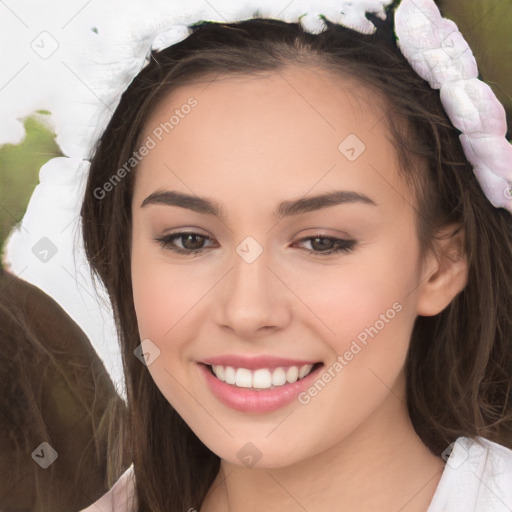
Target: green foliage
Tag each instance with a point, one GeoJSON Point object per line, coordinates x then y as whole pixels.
{"type": "Point", "coordinates": [19, 170]}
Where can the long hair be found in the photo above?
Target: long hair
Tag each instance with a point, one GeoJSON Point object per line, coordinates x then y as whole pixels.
{"type": "Point", "coordinates": [55, 389]}
{"type": "Point", "coordinates": [459, 364]}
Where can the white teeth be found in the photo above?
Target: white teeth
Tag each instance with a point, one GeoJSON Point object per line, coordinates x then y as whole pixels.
{"type": "Point", "coordinates": [304, 370]}
{"type": "Point", "coordinates": [229, 374]}
{"type": "Point", "coordinates": [243, 378]}
{"type": "Point", "coordinates": [292, 374]}
{"type": "Point", "coordinates": [278, 377]}
{"type": "Point", "coordinates": [220, 372]}
{"type": "Point", "coordinates": [262, 378]}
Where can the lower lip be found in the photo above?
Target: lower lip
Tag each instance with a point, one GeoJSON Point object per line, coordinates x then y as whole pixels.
{"type": "Point", "coordinates": [248, 400]}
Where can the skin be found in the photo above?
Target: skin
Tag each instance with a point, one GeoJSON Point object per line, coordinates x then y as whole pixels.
{"type": "Point", "coordinates": [251, 143]}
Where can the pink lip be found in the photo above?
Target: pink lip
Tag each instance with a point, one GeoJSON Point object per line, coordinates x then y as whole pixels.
{"type": "Point", "coordinates": [256, 401]}
{"type": "Point", "coordinates": [253, 363]}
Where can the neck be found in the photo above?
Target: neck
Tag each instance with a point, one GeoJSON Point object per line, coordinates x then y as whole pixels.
{"type": "Point", "coordinates": [382, 465]}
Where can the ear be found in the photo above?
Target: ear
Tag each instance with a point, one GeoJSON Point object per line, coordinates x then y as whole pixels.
{"type": "Point", "coordinates": [445, 272]}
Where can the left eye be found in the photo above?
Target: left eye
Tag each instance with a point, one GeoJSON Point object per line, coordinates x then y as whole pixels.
{"type": "Point", "coordinates": [192, 243]}
{"type": "Point", "coordinates": [329, 245]}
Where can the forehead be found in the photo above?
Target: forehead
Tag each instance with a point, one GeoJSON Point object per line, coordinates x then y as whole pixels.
{"type": "Point", "coordinates": [274, 134]}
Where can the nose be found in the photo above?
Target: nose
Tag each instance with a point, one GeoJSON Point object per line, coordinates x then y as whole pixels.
{"type": "Point", "coordinates": [252, 301]}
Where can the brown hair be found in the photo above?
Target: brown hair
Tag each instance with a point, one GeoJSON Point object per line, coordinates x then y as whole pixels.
{"type": "Point", "coordinates": [55, 389]}
{"type": "Point", "coordinates": [459, 364]}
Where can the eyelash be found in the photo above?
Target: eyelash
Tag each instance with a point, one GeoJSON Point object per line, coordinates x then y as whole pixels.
{"type": "Point", "coordinates": [344, 245]}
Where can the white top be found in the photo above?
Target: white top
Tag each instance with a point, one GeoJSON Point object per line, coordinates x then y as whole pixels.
{"type": "Point", "coordinates": [476, 478]}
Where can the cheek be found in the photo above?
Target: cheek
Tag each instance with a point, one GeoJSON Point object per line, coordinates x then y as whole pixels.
{"type": "Point", "coordinates": [163, 294]}
{"type": "Point", "coordinates": [157, 304]}
{"type": "Point", "coordinates": [160, 300]}
{"type": "Point", "coordinates": [366, 310]}
{"type": "Point", "coordinates": [169, 301]}
{"type": "Point", "coordinates": [350, 299]}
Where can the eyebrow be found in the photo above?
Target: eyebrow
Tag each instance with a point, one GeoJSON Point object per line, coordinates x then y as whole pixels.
{"type": "Point", "coordinates": [285, 209]}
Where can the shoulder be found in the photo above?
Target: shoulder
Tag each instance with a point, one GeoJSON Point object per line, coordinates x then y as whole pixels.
{"type": "Point", "coordinates": [120, 498]}
{"type": "Point", "coordinates": [477, 476]}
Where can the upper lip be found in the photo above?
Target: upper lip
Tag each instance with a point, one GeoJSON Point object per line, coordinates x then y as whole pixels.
{"type": "Point", "coordinates": [253, 363]}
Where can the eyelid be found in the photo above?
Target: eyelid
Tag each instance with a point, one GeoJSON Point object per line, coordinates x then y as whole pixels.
{"type": "Point", "coordinates": [342, 245]}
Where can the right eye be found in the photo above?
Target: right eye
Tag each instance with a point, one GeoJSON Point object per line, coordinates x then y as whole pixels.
{"type": "Point", "coordinates": [191, 242]}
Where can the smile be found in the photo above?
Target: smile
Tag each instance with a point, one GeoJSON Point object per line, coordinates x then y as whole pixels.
{"type": "Point", "coordinates": [259, 390]}
{"type": "Point", "coordinates": [262, 378]}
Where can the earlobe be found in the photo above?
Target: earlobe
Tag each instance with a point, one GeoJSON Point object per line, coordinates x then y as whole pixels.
{"type": "Point", "coordinates": [445, 273]}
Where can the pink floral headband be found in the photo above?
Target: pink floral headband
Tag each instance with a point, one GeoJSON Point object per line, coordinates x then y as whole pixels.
{"type": "Point", "coordinates": [433, 46]}
{"type": "Point", "coordinates": [439, 54]}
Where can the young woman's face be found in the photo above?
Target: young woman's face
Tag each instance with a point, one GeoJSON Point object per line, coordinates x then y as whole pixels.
{"type": "Point", "coordinates": [271, 175]}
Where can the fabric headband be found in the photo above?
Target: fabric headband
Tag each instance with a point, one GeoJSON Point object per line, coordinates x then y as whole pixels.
{"type": "Point", "coordinates": [433, 46]}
